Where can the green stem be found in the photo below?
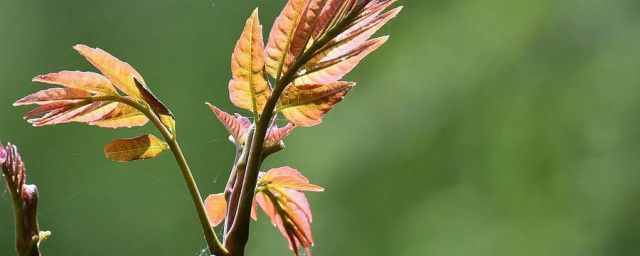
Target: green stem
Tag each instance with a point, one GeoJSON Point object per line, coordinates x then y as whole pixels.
{"type": "Point", "coordinates": [239, 232]}
{"type": "Point", "coordinates": [215, 247]}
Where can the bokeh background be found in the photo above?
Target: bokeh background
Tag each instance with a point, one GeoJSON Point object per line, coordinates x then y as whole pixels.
{"type": "Point", "coordinates": [490, 127]}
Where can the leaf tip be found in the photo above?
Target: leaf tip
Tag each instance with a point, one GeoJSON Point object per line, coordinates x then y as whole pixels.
{"type": "Point", "coordinates": [39, 78]}
{"type": "Point", "coordinates": [79, 47]}
{"type": "Point", "coordinates": [211, 106]}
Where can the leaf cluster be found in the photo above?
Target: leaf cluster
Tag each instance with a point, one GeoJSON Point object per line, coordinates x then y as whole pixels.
{"type": "Point", "coordinates": [296, 72]}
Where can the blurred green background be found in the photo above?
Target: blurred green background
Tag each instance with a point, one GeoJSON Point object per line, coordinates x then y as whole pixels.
{"type": "Point", "coordinates": [491, 127]}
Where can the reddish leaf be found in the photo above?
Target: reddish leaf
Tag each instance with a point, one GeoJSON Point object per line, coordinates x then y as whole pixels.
{"type": "Point", "coordinates": [285, 208]}
{"type": "Point", "coordinates": [249, 88]}
{"type": "Point", "coordinates": [54, 95]}
{"type": "Point", "coordinates": [280, 197]}
{"type": "Point", "coordinates": [236, 125]}
{"type": "Point", "coordinates": [89, 81]}
{"type": "Point", "coordinates": [120, 73]}
{"type": "Point", "coordinates": [277, 52]}
{"type": "Point", "coordinates": [47, 108]}
{"type": "Point", "coordinates": [299, 199]}
{"type": "Point", "coordinates": [326, 16]}
{"type": "Point", "coordinates": [304, 28]}
{"type": "Point", "coordinates": [298, 227]}
{"type": "Point", "coordinates": [143, 147]}
{"type": "Point", "coordinates": [276, 134]}
{"type": "Point", "coordinates": [332, 70]}
{"type": "Point", "coordinates": [353, 37]}
{"type": "Point", "coordinates": [306, 105]}
{"type": "Point", "coordinates": [60, 115]}
{"type": "Point", "coordinates": [287, 177]}
{"type": "Point", "coordinates": [216, 207]}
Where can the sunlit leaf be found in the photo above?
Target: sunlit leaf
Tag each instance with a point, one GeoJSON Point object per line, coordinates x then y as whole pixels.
{"type": "Point", "coordinates": [326, 16]}
{"type": "Point", "coordinates": [120, 73]}
{"type": "Point", "coordinates": [299, 199]}
{"type": "Point", "coordinates": [334, 69]}
{"type": "Point", "coordinates": [289, 211]}
{"type": "Point", "coordinates": [122, 116]}
{"type": "Point", "coordinates": [249, 88]}
{"type": "Point", "coordinates": [143, 147]}
{"type": "Point", "coordinates": [287, 177]}
{"type": "Point", "coordinates": [305, 105]}
{"type": "Point", "coordinates": [277, 53]}
{"type": "Point", "coordinates": [216, 207]}
{"type": "Point", "coordinates": [165, 115]}
{"type": "Point", "coordinates": [48, 107]}
{"type": "Point", "coordinates": [237, 125]}
{"type": "Point", "coordinates": [295, 226]}
{"type": "Point", "coordinates": [94, 111]}
{"type": "Point", "coordinates": [353, 37]}
{"type": "Point", "coordinates": [60, 115]}
{"type": "Point", "coordinates": [89, 81]}
{"type": "Point", "coordinates": [280, 197]}
{"type": "Point", "coordinates": [54, 95]}
{"type": "Point", "coordinates": [306, 25]}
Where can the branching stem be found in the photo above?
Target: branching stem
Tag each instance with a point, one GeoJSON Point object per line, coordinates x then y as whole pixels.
{"type": "Point", "coordinates": [239, 232]}
{"type": "Point", "coordinates": [215, 247]}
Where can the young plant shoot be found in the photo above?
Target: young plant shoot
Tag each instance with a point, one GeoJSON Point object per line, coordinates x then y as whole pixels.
{"type": "Point", "coordinates": [295, 73]}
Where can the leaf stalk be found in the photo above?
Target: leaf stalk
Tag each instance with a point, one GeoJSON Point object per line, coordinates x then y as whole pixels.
{"type": "Point", "coordinates": [213, 243]}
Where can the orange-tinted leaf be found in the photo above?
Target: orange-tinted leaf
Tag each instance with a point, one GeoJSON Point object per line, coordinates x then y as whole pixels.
{"type": "Point", "coordinates": [165, 115]}
{"type": "Point", "coordinates": [304, 28]}
{"type": "Point", "coordinates": [353, 37]}
{"type": "Point", "coordinates": [277, 53]}
{"type": "Point", "coordinates": [95, 111]}
{"type": "Point", "coordinates": [216, 207]}
{"type": "Point", "coordinates": [89, 81]}
{"type": "Point", "coordinates": [298, 227]}
{"type": "Point", "coordinates": [299, 199]}
{"type": "Point", "coordinates": [54, 95]}
{"type": "Point", "coordinates": [236, 125]}
{"type": "Point", "coordinates": [287, 177]}
{"type": "Point", "coordinates": [332, 70]}
{"type": "Point", "coordinates": [120, 73]}
{"type": "Point", "coordinates": [122, 116]}
{"type": "Point", "coordinates": [249, 88]}
{"type": "Point", "coordinates": [305, 105]}
{"type": "Point", "coordinates": [326, 16]}
{"type": "Point", "coordinates": [288, 215]}
{"type": "Point", "coordinates": [143, 147]}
